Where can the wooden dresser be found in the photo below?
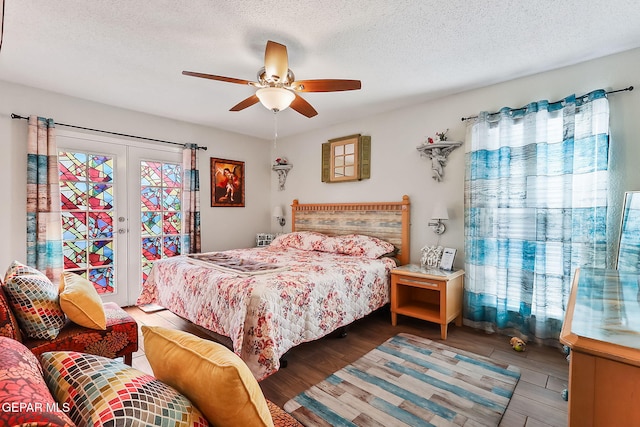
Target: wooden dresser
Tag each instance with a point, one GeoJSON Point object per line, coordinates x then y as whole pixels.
{"type": "Point", "coordinates": [602, 328]}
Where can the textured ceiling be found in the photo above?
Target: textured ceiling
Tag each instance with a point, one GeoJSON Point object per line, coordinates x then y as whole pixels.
{"type": "Point", "coordinates": [130, 54]}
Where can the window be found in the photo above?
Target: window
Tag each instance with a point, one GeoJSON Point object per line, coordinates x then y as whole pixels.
{"type": "Point", "coordinates": [122, 209]}
{"type": "Point", "coordinates": [160, 212]}
{"type": "Point", "coordinates": [88, 211]}
{"type": "Point", "coordinates": [535, 210]}
{"type": "Point", "coordinates": [86, 192]}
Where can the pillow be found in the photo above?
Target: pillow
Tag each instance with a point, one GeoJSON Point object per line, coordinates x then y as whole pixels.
{"type": "Point", "coordinates": [306, 240]}
{"type": "Point", "coordinates": [361, 245]}
{"type": "Point", "coordinates": [100, 391]}
{"type": "Point", "coordinates": [8, 323]}
{"type": "Point", "coordinates": [24, 396]}
{"type": "Point", "coordinates": [34, 300]}
{"type": "Point", "coordinates": [80, 301]}
{"type": "Point", "coordinates": [209, 374]}
{"type": "Point", "coordinates": [18, 269]}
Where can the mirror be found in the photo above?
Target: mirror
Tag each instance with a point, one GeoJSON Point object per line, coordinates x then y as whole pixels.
{"type": "Point", "coordinates": [346, 158]}
{"type": "Point", "coordinates": [629, 244]}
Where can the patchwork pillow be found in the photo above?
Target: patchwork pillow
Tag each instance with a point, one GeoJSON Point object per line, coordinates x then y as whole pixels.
{"type": "Point", "coordinates": [100, 391]}
{"type": "Point", "coordinates": [80, 301]}
{"type": "Point", "coordinates": [361, 245]}
{"type": "Point", "coordinates": [18, 269]}
{"type": "Point", "coordinates": [306, 240]}
{"type": "Point", "coordinates": [34, 300]}
{"type": "Point", "coordinates": [8, 323]}
{"type": "Point", "coordinates": [25, 399]}
{"type": "Point", "coordinates": [209, 374]}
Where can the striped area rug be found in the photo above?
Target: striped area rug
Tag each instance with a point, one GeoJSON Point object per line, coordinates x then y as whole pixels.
{"type": "Point", "coordinates": [410, 381]}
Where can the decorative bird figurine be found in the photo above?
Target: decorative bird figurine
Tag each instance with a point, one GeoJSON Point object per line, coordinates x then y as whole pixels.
{"type": "Point", "coordinates": [517, 344]}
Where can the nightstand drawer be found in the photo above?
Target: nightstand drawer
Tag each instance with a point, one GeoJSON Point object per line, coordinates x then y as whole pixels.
{"type": "Point", "coordinates": [420, 282]}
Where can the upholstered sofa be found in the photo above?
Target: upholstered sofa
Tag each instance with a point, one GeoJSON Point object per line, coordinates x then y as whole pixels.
{"type": "Point", "coordinates": [66, 389]}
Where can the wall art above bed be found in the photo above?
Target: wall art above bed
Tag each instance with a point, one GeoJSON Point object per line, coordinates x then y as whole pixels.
{"type": "Point", "coordinates": [227, 183]}
{"type": "Point", "coordinates": [346, 159]}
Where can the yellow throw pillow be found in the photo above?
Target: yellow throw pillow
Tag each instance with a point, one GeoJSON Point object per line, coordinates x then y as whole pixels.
{"type": "Point", "coordinates": [80, 302]}
{"type": "Point", "coordinates": [214, 378]}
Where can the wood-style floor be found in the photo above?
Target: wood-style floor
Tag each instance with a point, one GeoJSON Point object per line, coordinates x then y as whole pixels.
{"type": "Point", "coordinates": [537, 400]}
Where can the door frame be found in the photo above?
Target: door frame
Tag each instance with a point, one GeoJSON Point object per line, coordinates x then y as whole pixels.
{"type": "Point", "coordinates": [127, 248]}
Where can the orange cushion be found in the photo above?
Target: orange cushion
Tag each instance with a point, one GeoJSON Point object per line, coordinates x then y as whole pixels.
{"type": "Point", "coordinates": [214, 378]}
{"type": "Point", "coordinates": [80, 301]}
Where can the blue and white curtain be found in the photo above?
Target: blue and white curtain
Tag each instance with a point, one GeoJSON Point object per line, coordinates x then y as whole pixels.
{"type": "Point", "coordinates": [535, 210]}
{"type": "Point", "coordinates": [44, 221]}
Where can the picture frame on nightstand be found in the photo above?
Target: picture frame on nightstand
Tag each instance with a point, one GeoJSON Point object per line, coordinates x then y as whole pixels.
{"type": "Point", "coordinates": [446, 261]}
{"type": "Point", "coordinates": [264, 239]}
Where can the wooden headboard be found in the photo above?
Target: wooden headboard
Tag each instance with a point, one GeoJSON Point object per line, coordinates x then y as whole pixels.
{"type": "Point", "coordinates": [385, 220]}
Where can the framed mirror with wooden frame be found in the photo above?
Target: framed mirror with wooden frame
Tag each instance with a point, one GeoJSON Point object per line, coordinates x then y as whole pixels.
{"type": "Point", "coordinates": [346, 158]}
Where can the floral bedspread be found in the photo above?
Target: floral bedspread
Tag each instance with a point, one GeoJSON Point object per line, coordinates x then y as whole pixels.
{"type": "Point", "coordinates": [265, 315]}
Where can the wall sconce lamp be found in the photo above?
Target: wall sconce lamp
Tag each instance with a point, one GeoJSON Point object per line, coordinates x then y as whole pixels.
{"type": "Point", "coordinates": [279, 215]}
{"type": "Point", "coordinates": [439, 214]}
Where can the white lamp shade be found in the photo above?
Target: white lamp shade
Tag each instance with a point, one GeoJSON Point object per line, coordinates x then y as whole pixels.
{"type": "Point", "coordinates": [277, 212]}
{"type": "Point", "coordinates": [440, 212]}
{"type": "Point", "coordinates": [275, 98]}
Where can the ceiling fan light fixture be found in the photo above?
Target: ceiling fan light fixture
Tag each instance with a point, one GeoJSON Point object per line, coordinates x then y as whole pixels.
{"type": "Point", "coordinates": [277, 87]}
{"type": "Point", "coordinates": [275, 98]}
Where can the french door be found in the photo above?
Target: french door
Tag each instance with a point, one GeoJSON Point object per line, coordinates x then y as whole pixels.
{"type": "Point", "coordinates": [121, 210]}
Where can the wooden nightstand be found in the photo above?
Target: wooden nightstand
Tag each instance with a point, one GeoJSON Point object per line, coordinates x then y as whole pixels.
{"type": "Point", "coordinates": [428, 294]}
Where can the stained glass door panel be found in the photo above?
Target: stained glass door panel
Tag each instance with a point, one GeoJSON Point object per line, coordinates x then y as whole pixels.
{"type": "Point", "coordinates": [87, 201]}
{"type": "Point", "coordinates": [121, 210]}
{"type": "Point", "coordinates": [160, 212]}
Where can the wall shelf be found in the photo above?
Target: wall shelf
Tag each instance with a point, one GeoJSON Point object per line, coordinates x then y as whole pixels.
{"type": "Point", "coordinates": [282, 171]}
{"type": "Point", "coordinates": [438, 153]}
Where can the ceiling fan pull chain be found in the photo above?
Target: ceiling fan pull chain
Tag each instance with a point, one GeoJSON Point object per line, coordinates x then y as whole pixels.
{"type": "Point", "coordinates": [275, 130]}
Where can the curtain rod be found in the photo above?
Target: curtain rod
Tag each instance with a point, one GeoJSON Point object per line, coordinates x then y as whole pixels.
{"type": "Point", "coordinates": [626, 89]}
{"type": "Point", "coordinates": [16, 116]}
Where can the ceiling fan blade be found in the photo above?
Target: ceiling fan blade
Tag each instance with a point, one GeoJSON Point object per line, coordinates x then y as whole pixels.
{"type": "Point", "coordinates": [253, 99]}
{"type": "Point", "coordinates": [276, 62]}
{"type": "Point", "coordinates": [325, 85]}
{"type": "Point", "coordinates": [303, 107]}
{"type": "Point", "coordinates": [214, 77]}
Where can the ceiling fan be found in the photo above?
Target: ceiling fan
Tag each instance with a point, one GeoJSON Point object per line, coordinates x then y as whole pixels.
{"type": "Point", "coordinates": [277, 84]}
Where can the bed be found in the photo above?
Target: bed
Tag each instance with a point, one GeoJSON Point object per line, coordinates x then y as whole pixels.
{"type": "Point", "coordinates": [332, 269]}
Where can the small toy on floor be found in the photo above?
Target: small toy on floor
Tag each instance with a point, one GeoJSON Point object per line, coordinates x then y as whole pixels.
{"type": "Point", "coordinates": [517, 344]}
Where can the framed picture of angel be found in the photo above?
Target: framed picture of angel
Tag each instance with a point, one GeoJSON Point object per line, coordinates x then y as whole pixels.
{"type": "Point", "coordinates": [227, 183]}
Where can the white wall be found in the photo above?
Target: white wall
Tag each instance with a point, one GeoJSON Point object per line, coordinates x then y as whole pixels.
{"type": "Point", "coordinates": [397, 168]}
{"type": "Point", "coordinates": [222, 228]}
